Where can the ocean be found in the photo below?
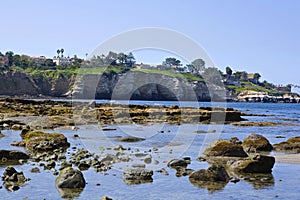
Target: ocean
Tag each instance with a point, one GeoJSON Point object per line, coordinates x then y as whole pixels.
{"type": "Point", "coordinates": [172, 141]}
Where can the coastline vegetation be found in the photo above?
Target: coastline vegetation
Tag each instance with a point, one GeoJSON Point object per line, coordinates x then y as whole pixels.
{"type": "Point", "coordinates": [118, 63]}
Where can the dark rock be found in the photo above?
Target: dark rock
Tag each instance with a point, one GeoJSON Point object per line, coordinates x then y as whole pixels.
{"type": "Point", "coordinates": [235, 140]}
{"type": "Point", "coordinates": [137, 176]}
{"type": "Point", "coordinates": [213, 173]}
{"type": "Point", "coordinates": [183, 172]}
{"type": "Point", "coordinates": [224, 148]}
{"type": "Point", "coordinates": [11, 177]}
{"type": "Point", "coordinates": [84, 166]}
{"type": "Point", "coordinates": [40, 141]}
{"type": "Point", "coordinates": [201, 159]}
{"type": "Point", "coordinates": [15, 187]}
{"type": "Point", "coordinates": [18, 144]}
{"type": "Point", "coordinates": [163, 171]}
{"type": "Point", "coordinates": [109, 159]}
{"type": "Point", "coordinates": [143, 166]}
{"type": "Point", "coordinates": [109, 129]}
{"type": "Point", "coordinates": [106, 198]}
{"type": "Point", "coordinates": [25, 131]}
{"type": "Point", "coordinates": [234, 179]}
{"type": "Point", "coordinates": [177, 163]}
{"type": "Point", "coordinates": [130, 139]}
{"type": "Point", "coordinates": [35, 170]}
{"type": "Point", "coordinates": [291, 145]}
{"type": "Point", "coordinates": [255, 142]}
{"type": "Point", "coordinates": [214, 178]}
{"type": "Point", "coordinates": [70, 178]}
{"type": "Point", "coordinates": [12, 155]}
{"type": "Point", "coordinates": [255, 164]}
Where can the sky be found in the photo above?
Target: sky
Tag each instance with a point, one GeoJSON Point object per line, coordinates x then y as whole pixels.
{"type": "Point", "coordinates": [255, 36]}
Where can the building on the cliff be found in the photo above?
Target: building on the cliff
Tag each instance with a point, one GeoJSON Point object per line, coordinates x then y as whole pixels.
{"type": "Point", "coordinates": [231, 80]}
{"type": "Point", "coordinates": [62, 61]}
{"type": "Point", "coordinates": [3, 60]}
{"type": "Point", "coordinates": [39, 59]}
{"type": "Point", "coordinates": [252, 78]}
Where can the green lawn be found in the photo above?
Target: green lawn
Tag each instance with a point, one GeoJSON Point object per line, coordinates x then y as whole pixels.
{"type": "Point", "coordinates": [186, 76]}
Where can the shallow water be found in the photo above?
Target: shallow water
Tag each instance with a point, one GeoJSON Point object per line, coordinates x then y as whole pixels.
{"type": "Point", "coordinates": [175, 141]}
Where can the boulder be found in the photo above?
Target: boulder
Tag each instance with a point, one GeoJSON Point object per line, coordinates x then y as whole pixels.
{"type": "Point", "coordinates": [40, 141]}
{"type": "Point", "coordinates": [224, 148]}
{"type": "Point", "coordinates": [12, 155]}
{"type": "Point", "coordinates": [255, 142]}
{"type": "Point", "coordinates": [255, 164]}
{"type": "Point", "coordinates": [13, 179]}
{"type": "Point", "coordinates": [130, 139]}
{"type": "Point", "coordinates": [137, 176]}
{"type": "Point", "coordinates": [291, 145]}
{"type": "Point", "coordinates": [213, 173]}
{"type": "Point", "coordinates": [70, 178]}
{"type": "Point", "coordinates": [214, 178]}
{"type": "Point", "coordinates": [175, 163]}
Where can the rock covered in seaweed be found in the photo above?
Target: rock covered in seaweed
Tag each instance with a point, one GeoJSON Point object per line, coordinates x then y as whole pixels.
{"type": "Point", "coordinates": [137, 176]}
{"type": "Point", "coordinates": [40, 141]}
{"type": "Point", "coordinates": [214, 178]}
{"type": "Point", "coordinates": [224, 148]}
{"type": "Point", "coordinates": [291, 145]}
{"type": "Point", "coordinates": [255, 164]}
{"type": "Point", "coordinates": [256, 142]}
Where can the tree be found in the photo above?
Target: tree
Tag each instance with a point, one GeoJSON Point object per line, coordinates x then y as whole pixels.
{"type": "Point", "coordinates": [58, 52]}
{"type": "Point", "coordinates": [130, 60]}
{"type": "Point", "coordinates": [190, 68]}
{"type": "Point", "coordinates": [243, 76]}
{"type": "Point", "coordinates": [212, 75]}
{"type": "Point", "coordinates": [199, 65]}
{"type": "Point", "coordinates": [16, 60]}
{"type": "Point", "coordinates": [256, 76]}
{"type": "Point", "coordinates": [122, 58]}
{"type": "Point", "coordinates": [171, 62]}
{"type": "Point", "coordinates": [228, 71]}
{"type": "Point", "coordinates": [62, 52]}
{"type": "Point", "coordinates": [9, 55]}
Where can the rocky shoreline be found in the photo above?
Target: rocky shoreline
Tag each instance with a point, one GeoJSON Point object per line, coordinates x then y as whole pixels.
{"type": "Point", "coordinates": [230, 160]}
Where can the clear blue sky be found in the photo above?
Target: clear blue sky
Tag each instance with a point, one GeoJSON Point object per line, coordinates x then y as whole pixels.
{"type": "Point", "coordinates": [256, 36]}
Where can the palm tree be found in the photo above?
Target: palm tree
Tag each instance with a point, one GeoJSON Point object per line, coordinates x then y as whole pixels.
{"type": "Point", "coordinates": [58, 52]}
{"type": "Point", "coordinates": [62, 52]}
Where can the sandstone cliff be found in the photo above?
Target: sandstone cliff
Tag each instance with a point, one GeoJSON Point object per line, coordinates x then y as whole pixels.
{"type": "Point", "coordinates": [131, 85]}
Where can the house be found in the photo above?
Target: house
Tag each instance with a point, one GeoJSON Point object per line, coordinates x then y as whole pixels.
{"type": "Point", "coordinates": [230, 80]}
{"type": "Point", "coordinates": [62, 61]}
{"type": "Point", "coordinates": [39, 59]}
{"type": "Point", "coordinates": [284, 89]}
{"type": "Point", "coordinates": [252, 78]}
{"type": "Point", "coordinates": [143, 66]}
{"type": "Point", "coordinates": [3, 60]}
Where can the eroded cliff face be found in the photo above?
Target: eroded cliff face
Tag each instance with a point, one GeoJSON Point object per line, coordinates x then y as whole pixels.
{"type": "Point", "coordinates": [14, 83]}
{"type": "Point", "coordinates": [130, 85]}
{"type": "Point", "coordinates": [139, 86]}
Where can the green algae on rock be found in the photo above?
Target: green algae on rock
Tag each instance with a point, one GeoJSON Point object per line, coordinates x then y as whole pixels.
{"type": "Point", "coordinates": [224, 148]}
{"type": "Point", "coordinates": [256, 142]}
{"type": "Point", "coordinates": [41, 141]}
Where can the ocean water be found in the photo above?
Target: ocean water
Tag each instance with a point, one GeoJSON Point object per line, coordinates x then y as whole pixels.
{"type": "Point", "coordinates": [175, 141]}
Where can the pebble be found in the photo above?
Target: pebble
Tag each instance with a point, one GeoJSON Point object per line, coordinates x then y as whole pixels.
{"type": "Point", "coordinates": [234, 180]}
{"type": "Point", "coordinates": [201, 159]}
{"type": "Point", "coordinates": [15, 188]}
{"type": "Point", "coordinates": [163, 171]}
{"type": "Point", "coordinates": [35, 170]}
{"type": "Point", "coordinates": [138, 165]}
